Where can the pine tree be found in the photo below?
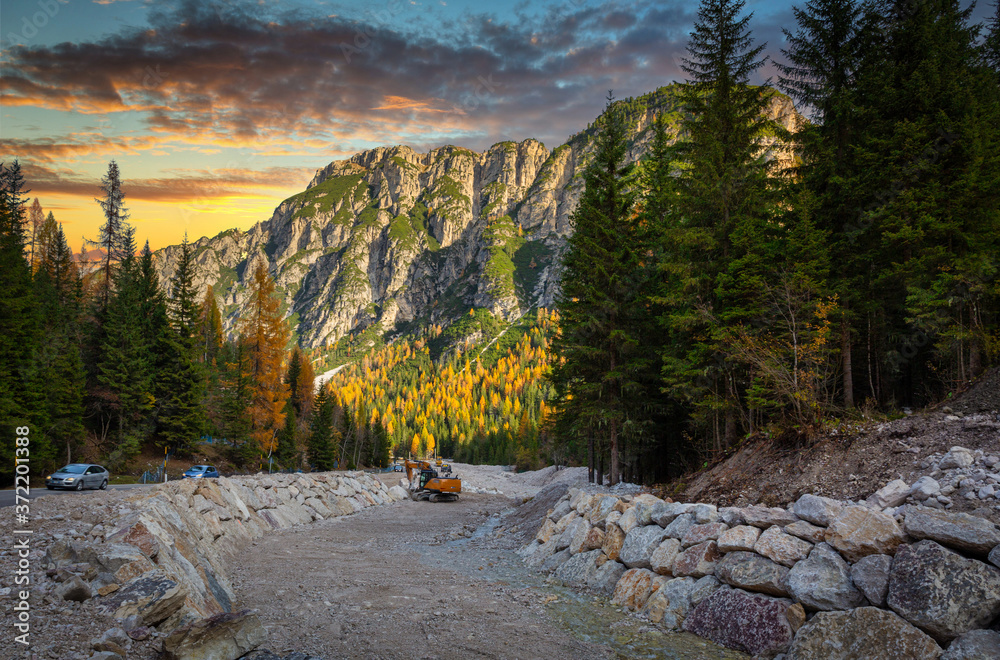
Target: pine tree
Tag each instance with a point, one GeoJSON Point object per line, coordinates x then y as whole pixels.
{"type": "Point", "coordinates": [266, 335]}
{"type": "Point", "coordinates": [322, 454]}
{"type": "Point", "coordinates": [991, 45]}
{"type": "Point", "coordinates": [595, 380]}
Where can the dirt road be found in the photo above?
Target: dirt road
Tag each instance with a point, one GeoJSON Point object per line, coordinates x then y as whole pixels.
{"type": "Point", "coordinates": [420, 580]}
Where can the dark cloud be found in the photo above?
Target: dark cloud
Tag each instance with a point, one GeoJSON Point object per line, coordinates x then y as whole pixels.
{"type": "Point", "coordinates": [242, 71]}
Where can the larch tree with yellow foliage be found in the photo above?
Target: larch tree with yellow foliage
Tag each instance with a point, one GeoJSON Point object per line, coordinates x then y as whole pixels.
{"type": "Point", "coordinates": [265, 335]}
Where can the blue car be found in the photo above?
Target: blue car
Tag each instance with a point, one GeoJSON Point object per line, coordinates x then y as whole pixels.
{"type": "Point", "coordinates": [200, 472]}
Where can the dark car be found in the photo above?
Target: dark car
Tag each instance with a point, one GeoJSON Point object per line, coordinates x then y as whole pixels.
{"type": "Point", "coordinates": [78, 476]}
{"type": "Point", "coordinates": [200, 472]}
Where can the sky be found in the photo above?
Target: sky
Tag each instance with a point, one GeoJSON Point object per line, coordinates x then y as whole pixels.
{"type": "Point", "coordinates": [217, 110]}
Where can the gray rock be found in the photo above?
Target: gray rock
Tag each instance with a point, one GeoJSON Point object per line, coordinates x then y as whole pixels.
{"type": "Point", "coordinates": [994, 556]}
{"type": "Point", "coordinates": [731, 515]}
{"type": "Point", "coordinates": [226, 636]}
{"type": "Point", "coordinates": [871, 576]}
{"type": "Point", "coordinates": [892, 494]}
{"type": "Point", "coordinates": [664, 513]}
{"type": "Point", "coordinates": [956, 530]}
{"type": "Point", "coordinates": [859, 531]}
{"type": "Point", "coordinates": [640, 544]}
{"type": "Point", "coordinates": [925, 487]}
{"type": "Point", "coordinates": [806, 531]}
{"type": "Point", "coordinates": [822, 581]}
{"type": "Point", "coordinates": [680, 525]}
{"type": "Point", "coordinates": [698, 560]}
{"type": "Point", "coordinates": [703, 532]}
{"type": "Point", "coordinates": [764, 517]}
{"type": "Point", "coordinates": [580, 569]}
{"type": "Point", "coordinates": [860, 634]}
{"type": "Point", "coordinates": [606, 577]}
{"type": "Point", "coordinates": [106, 655]}
{"type": "Point", "coordinates": [74, 589]}
{"type": "Point", "coordinates": [741, 537]}
{"type": "Point", "coordinates": [703, 588]}
{"type": "Point", "coordinates": [561, 509]}
{"type": "Point", "coordinates": [670, 603]}
{"type": "Point", "coordinates": [704, 513]}
{"type": "Point", "coordinates": [554, 561]}
{"type": "Point", "coordinates": [957, 457]}
{"type": "Point", "coordinates": [750, 571]}
{"type": "Point", "coordinates": [974, 645]}
{"type": "Point", "coordinates": [780, 547]}
{"type": "Point", "coordinates": [942, 592]}
{"type": "Point", "coordinates": [816, 509]}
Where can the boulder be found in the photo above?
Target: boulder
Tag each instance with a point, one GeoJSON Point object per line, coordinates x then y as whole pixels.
{"type": "Point", "coordinates": [924, 487]}
{"type": "Point", "coordinates": [555, 560]}
{"type": "Point", "coordinates": [606, 577]}
{"type": "Point", "coordinates": [974, 645]}
{"type": "Point", "coordinates": [544, 532]}
{"type": "Point", "coordinates": [398, 493]}
{"type": "Point", "coordinates": [764, 517]}
{"type": "Point", "coordinates": [956, 530]}
{"type": "Point", "coordinates": [731, 515]}
{"type": "Point", "coordinates": [561, 509]}
{"type": "Point", "coordinates": [662, 560]}
{"type": "Point", "coordinates": [152, 596]}
{"type": "Point", "coordinates": [704, 532]}
{"type": "Point", "coordinates": [680, 525]}
{"type": "Point", "coordinates": [704, 513]}
{"type": "Point", "coordinates": [74, 589]}
{"type": "Point", "coordinates": [580, 536]}
{"type": "Point", "coordinates": [822, 581]}
{"type": "Point", "coordinates": [226, 636]}
{"type": "Point", "coordinates": [703, 588]}
{"type": "Point", "coordinates": [741, 537]}
{"type": "Point", "coordinates": [780, 547]}
{"type": "Point", "coordinates": [665, 513]}
{"type": "Point", "coordinates": [957, 457]}
{"type": "Point", "coordinates": [601, 507]}
{"type": "Point", "coordinates": [640, 544]}
{"type": "Point", "coordinates": [871, 576]}
{"type": "Point", "coordinates": [806, 531]}
{"type": "Point", "coordinates": [892, 494]}
{"type": "Point", "coordinates": [752, 623]}
{"type": "Point", "coordinates": [633, 589]}
{"type": "Point", "coordinates": [137, 535]}
{"type": "Point", "coordinates": [577, 528]}
{"type": "Point", "coordinates": [865, 632]}
{"type": "Point", "coordinates": [942, 592]}
{"type": "Point", "coordinates": [859, 531]}
{"type": "Point", "coordinates": [817, 510]}
{"type": "Point", "coordinates": [629, 520]}
{"type": "Point", "coordinates": [614, 539]}
{"type": "Point", "coordinates": [994, 556]}
{"type": "Point", "coordinates": [670, 603]}
{"type": "Point", "coordinates": [750, 571]}
{"type": "Point", "coordinates": [580, 569]}
{"type": "Point", "coordinates": [698, 560]}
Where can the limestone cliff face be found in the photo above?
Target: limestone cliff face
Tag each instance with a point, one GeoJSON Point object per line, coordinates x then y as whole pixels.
{"type": "Point", "coordinates": [392, 236]}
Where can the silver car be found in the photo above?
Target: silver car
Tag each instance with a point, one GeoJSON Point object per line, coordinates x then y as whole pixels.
{"type": "Point", "coordinates": [77, 476]}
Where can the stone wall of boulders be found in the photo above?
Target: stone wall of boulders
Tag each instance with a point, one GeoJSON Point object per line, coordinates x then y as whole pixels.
{"type": "Point", "coordinates": [821, 579]}
{"type": "Point", "coordinates": [161, 561]}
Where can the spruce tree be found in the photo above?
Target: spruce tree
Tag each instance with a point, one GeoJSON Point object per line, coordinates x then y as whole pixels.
{"type": "Point", "coordinates": [724, 200]}
{"type": "Point", "coordinates": [596, 376]}
{"type": "Point", "coordinates": [322, 454]}
{"type": "Point", "coordinates": [115, 240]}
{"type": "Point", "coordinates": [209, 328]}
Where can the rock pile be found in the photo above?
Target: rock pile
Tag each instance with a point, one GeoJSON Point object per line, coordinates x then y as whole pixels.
{"type": "Point", "coordinates": [159, 565]}
{"type": "Point", "coordinates": [821, 579]}
{"type": "Point", "coordinates": [958, 473]}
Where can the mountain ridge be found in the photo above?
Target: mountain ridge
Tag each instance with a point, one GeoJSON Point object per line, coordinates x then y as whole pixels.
{"type": "Point", "coordinates": [390, 237]}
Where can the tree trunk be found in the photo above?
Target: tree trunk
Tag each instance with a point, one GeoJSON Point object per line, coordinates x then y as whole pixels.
{"type": "Point", "coordinates": [613, 476]}
{"type": "Point", "coordinates": [590, 459]}
{"type": "Point", "coordinates": [600, 468]}
{"type": "Point", "coordinates": [845, 353]}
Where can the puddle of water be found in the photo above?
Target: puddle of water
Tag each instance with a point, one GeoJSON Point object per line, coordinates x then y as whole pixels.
{"type": "Point", "coordinates": [585, 616]}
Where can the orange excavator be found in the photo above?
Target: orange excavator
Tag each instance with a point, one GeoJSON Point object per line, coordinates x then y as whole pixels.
{"type": "Point", "coordinates": [425, 484]}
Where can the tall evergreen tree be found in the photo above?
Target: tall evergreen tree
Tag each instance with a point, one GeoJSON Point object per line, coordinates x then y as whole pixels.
{"type": "Point", "coordinates": [209, 328]}
{"type": "Point", "coordinates": [322, 454]}
{"type": "Point", "coordinates": [724, 202]}
{"type": "Point", "coordinates": [596, 378]}
{"type": "Point", "coordinates": [115, 239]}
{"type": "Point", "coordinates": [825, 58]}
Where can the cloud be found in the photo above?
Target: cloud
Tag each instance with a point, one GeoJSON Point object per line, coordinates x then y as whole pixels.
{"type": "Point", "coordinates": [177, 186]}
{"type": "Point", "coordinates": [238, 72]}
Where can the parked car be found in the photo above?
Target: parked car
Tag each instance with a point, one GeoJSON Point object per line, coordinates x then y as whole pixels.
{"type": "Point", "coordinates": [77, 476]}
{"type": "Point", "coordinates": [200, 472]}
{"type": "Point", "coordinates": [397, 468]}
